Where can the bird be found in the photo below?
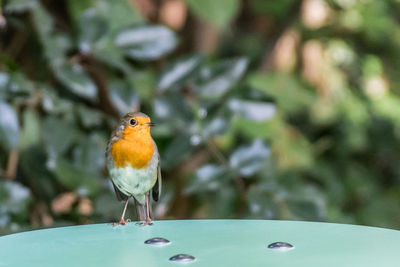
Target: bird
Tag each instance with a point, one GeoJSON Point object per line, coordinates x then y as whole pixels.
{"type": "Point", "coordinates": [133, 163]}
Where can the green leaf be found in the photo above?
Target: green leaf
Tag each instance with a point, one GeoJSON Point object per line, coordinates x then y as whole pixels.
{"type": "Point", "coordinates": [89, 117]}
{"type": "Point", "coordinates": [306, 202]}
{"type": "Point", "coordinates": [91, 28]}
{"type": "Point", "coordinates": [74, 78]}
{"type": "Point", "coordinates": [31, 130]}
{"type": "Point", "coordinates": [247, 160]}
{"type": "Point", "coordinates": [174, 106]}
{"type": "Point", "coordinates": [178, 72]}
{"type": "Point", "coordinates": [222, 204]}
{"type": "Point", "coordinates": [278, 9]}
{"type": "Point", "coordinates": [219, 13]}
{"type": "Point", "coordinates": [118, 15]}
{"type": "Point", "coordinates": [15, 200]}
{"type": "Point", "coordinates": [377, 24]}
{"type": "Point", "coordinates": [58, 136]}
{"type": "Point", "coordinates": [19, 5]}
{"type": "Point", "coordinates": [105, 51]}
{"type": "Point", "coordinates": [14, 197]}
{"type": "Point", "coordinates": [76, 178]}
{"type": "Point", "coordinates": [55, 43]}
{"type": "Point", "coordinates": [89, 154]}
{"type": "Point", "coordinates": [9, 126]}
{"type": "Point", "coordinates": [216, 126]}
{"type": "Point", "coordinates": [216, 80]}
{"type": "Point", "coordinates": [372, 66]}
{"type": "Point", "coordinates": [44, 22]}
{"type": "Point", "coordinates": [144, 82]}
{"type": "Point", "coordinates": [15, 84]}
{"type": "Point", "coordinates": [53, 104]}
{"type": "Point", "coordinates": [77, 7]}
{"type": "Point", "coordinates": [123, 96]}
{"type": "Point", "coordinates": [146, 42]}
{"type": "Point", "coordinates": [252, 110]}
{"type": "Point", "coordinates": [381, 211]}
{"type": "Point", "coordinates": [177, 151]}
{"type": "Point", "coordinates": [262, 203]}
{"type": "Point", "coordinates": [35, 174]}
{"type": "Point", "coordinates": [291, 95]}
{"type": "Point", "coordinates": [207, 178]}
{"type": "Point", "coordinates": [252, 129]}
{"type": "Point", "coordinates": [4, 80]}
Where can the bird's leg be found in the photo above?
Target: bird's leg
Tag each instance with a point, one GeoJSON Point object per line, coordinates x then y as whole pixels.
{"type": "Point", "coordinates": [144, 211]}
{"type": "Point", "coordinates": [123, 213]}
{"type": "Point", "coordinates": [122, 221]}
{"type": "Point", "coordinates": [148, 218]}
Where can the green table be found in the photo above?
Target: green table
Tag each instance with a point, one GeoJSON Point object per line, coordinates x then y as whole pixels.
{"type": "Point", "coordinates": [211, 242]}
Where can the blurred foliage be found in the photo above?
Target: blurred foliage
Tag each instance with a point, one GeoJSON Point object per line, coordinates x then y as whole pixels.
{"type": "Point", "coordinates": [264, 109]}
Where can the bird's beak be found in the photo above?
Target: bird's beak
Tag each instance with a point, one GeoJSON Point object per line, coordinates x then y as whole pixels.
{"type": "Point", "coordinates": [151, 124]}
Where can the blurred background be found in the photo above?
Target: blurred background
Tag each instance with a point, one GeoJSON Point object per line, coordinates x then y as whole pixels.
{"type": "Point", "coordinates": [265, 109]}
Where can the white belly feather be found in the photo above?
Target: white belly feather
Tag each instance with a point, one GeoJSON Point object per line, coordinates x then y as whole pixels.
{"type": "Point", "coordinates": [136, 182]}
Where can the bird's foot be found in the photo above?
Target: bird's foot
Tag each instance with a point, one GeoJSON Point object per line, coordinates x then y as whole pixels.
{"type": "Point", "coordinates": [121, 222]}
{"type": "Point", "coordinates": [144, 223]}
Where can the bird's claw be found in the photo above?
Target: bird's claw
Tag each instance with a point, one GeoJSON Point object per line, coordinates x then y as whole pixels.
{"type": "Point", "coordinates": [144, 223]}
{"type": "Point", "coordinates": [121, 222]}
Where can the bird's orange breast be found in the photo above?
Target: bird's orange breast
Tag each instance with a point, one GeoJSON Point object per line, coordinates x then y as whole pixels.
{"type": "Point", "coordinates": [135, 149]}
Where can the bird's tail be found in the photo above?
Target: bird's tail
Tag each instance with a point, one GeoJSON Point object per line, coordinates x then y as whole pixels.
{"type": "Point", "coordinates": [141, 210]}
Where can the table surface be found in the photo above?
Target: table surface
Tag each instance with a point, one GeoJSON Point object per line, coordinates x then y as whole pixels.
{"type": "Point", "coordinates": [211, 242]}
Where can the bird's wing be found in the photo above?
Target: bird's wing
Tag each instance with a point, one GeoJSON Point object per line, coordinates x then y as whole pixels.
{"type": "Point", "coordinates": [156, 191]}
{"type": "Point", "coordinates": [110, 164]}
{"type": "Point", "coordinates": [120, 196]}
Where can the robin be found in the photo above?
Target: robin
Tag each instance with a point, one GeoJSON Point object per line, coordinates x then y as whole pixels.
{"type": "Point", "coordinates": [133, 163]}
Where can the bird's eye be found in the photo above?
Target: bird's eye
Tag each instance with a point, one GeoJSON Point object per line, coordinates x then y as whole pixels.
{"type": "Point", "coordinates": [133, 122]}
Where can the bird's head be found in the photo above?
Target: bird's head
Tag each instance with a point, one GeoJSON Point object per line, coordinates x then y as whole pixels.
{"type": "Point", "coordinates": [136, 125]}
